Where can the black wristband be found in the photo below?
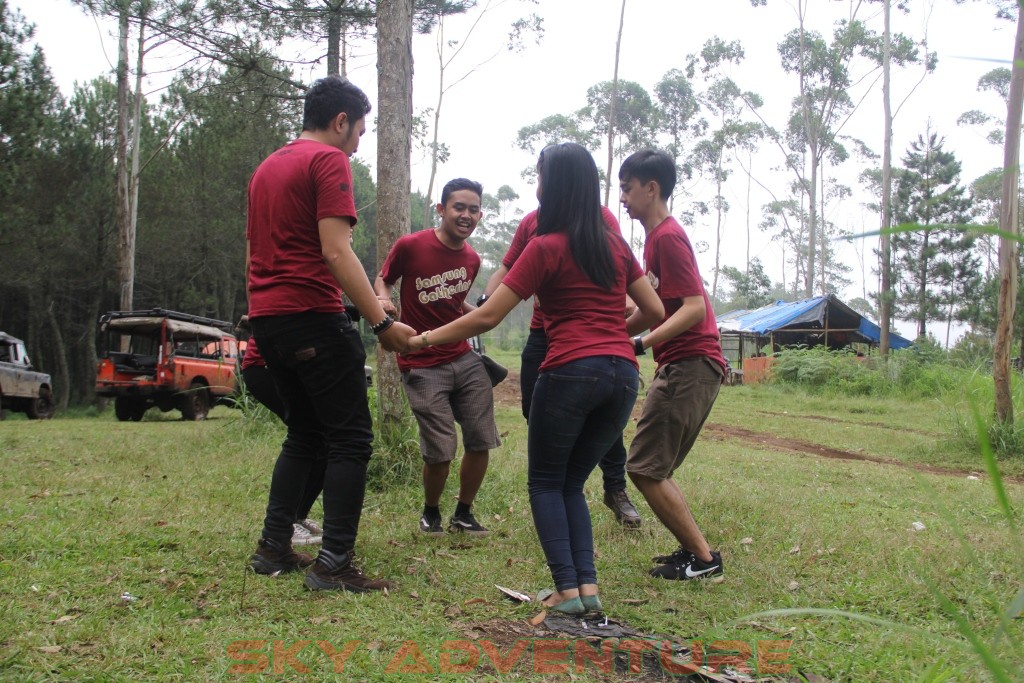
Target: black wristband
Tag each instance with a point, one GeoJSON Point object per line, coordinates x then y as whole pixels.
{"type": "Point", "coordinates": [481, 299]}
{"type": "Point", "coordinates": [383, 325]}
{"type": "Point", "coordinates": [638, 345]}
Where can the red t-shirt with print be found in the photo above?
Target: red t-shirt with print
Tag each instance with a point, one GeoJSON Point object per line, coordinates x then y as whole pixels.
{"type": "Point", "coordinates": [524, 232]}
{"type": "Point", "coordinates": [289, 193]}
{"type": "Point", "coordinates": [672, 269]}
{"type": "Point", "coordinates": [435, 282]}
{"type": "Point", "coordinates": [580, 319]}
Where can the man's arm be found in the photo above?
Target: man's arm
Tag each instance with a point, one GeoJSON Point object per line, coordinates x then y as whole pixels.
{"type": "Point", "coordinates": [384, 291]}
{"type": "Point", "coordinates": [689, 314]}
{"type": "Point", "coordinates": [495, 280]}
{"type": "Point", "coordinates": [648, 308]}
{"type": "Point", "coordinates": [248, 262]}
{"type": "Point", "coordinates": [336, 247]}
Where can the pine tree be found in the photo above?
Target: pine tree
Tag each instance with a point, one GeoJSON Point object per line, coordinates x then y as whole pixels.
{"type": "Point", "coordinates": [931, 257]}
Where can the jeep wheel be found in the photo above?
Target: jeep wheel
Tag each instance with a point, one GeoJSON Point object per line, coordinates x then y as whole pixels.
{"type": "Point", "coordinates": [41, 408]}
{"type": "Point", "coordinates": [129, 409]}
{"type": "Point", "coordinates": [195, 403]}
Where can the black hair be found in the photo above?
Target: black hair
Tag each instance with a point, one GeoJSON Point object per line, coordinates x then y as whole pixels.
{"type": "Point", "coordinates": [650, 164]}
{"type": "Point", "coordinates": [330, 96]}
{"type": "Point", "coordinates": [570, 202]}
{"type": "Point", "coordinates": [460, 184]}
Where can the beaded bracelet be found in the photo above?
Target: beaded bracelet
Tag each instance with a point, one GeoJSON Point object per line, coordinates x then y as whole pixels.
{"type": "Point", "coordinates": [383, 325]}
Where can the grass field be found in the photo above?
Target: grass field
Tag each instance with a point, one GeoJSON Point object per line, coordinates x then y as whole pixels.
{"type": "Point", "coordinates": [123, 549]}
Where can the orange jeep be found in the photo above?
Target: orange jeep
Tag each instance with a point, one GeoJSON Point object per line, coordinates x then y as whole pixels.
{"type": "Point", "coordinates": [165, 359]}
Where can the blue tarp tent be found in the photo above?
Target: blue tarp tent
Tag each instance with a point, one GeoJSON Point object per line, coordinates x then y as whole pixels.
{"type": "Point", "coordinates": [822, 320]}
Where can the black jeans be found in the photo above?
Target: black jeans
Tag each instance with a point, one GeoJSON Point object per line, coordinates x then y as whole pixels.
{"type": "Point", "coordinates": [613, 464]}
{"type": "Point", "coordinates": [260, 384]}
{"type": "Point", "coordinates": [316, 360]}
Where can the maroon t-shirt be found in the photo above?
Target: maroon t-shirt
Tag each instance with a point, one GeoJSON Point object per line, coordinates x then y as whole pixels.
{"type": "Point", "coordinates": [435, 282]}
{"type": "Point", "coordinates": [289, 193]}
{"type": "Point", "coordinates": [252, 356]}
{"type": "Point", "coordinates": [524, 232]}
{"type": "Point", "coordinates": [672, 270]}
{"type": "Point", "coordinates": [580, 318]}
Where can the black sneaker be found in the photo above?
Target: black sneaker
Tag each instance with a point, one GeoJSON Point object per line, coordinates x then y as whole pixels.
{"type": "Point", "coordinates": [431, 526]}
{"type": "Point", "coordinates": [691, 568]}
{"type": "Point", "coordinates": [625, 512]}
{"type": "Point", "coordinates": [466, 524]}
{"type": "Point", "coordinates": [337, 571]}
{"type": "Point", "coordinates": [678, 556]}
{"type": "Point", "coordinates": [274, 557]}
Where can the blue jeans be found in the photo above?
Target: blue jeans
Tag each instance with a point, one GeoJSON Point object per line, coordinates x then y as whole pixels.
{"type": "Point", "coordinates": [316, 361]}
{"type": "Point", "coordinates": [578, 412]}
{"type": "Point", "coordinates": [613, 464]}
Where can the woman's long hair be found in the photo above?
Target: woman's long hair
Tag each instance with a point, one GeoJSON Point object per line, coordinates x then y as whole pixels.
{"type": "Point", "coordinates": [570, 203]}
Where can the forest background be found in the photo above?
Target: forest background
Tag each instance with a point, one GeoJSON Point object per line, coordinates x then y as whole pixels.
{"type": "Point", "coordinates": [715, 83]}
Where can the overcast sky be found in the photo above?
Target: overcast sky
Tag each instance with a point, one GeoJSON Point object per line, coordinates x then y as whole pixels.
{"type": "Point", "coordinates": [482, 114]}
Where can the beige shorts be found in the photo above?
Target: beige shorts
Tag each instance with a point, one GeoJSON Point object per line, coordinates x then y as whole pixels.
{"type": "Point", "coordinates": [677, 404]}
{"type": "Point", "coordinates": [440, 396]}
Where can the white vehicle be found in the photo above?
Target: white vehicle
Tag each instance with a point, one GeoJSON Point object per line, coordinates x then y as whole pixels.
{"type": "Point", "coordinates": [22, 389]}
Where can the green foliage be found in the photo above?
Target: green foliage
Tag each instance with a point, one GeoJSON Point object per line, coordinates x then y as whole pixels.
{"type": "Point", "coordinates": [918, 373]}
{"type": "Point", "coordinates": [396, 457]}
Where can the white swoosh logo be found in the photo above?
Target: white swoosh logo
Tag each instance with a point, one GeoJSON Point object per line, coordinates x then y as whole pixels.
{"type": "Point", "coordinates": [690, 574]}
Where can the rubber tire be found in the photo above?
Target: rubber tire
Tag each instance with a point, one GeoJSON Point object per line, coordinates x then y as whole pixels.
{"type": "Point", "coordinates": [195, 403]}
{"type": "Point", "coordinates": [41, 408]}
{"type": "Point", "coordinates": [129, 409]}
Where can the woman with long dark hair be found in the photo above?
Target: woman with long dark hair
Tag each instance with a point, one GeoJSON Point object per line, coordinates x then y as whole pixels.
{"type": "Point", "coordinates": [581, 273]}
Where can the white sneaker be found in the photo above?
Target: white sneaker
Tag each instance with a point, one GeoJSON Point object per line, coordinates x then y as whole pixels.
{"type": "Point", "coordinates": [302, 536]}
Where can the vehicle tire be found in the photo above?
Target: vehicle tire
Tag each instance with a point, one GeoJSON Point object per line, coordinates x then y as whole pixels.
{"type": "Point", "coordinates": [129, 409]}
{"type": "Point", "coordinates": [41, 408]}
{"type": "Point", "coordinates": [195, 403]}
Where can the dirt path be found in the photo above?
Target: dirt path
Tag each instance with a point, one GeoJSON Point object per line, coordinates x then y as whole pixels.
{"type": "Point", "coordinates": [507, 394]}
{"type": "Point", "coordinates": [764, 439]}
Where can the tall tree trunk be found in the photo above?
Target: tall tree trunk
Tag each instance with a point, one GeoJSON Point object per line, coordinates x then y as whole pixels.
{"type": "Point", "coordinates": [885, 296]}
{"type": "Point", "coordinates": [394, 133]}
{"type": "Point", "coordinates": [334, 37]}
{"type": "Point", "coordinates": [611, 111]}
{"type": "Point", "coordinates": [1008, 206]}
{"type": "Point", "coordinates": [126, 229]}
{"type": "Point", "coordinates": [63, 383]}
{"type": "Point", "coordinates": [427, 203]}
{"type": "Point", "coordinates": [750, 173]}
{"type": "Point", "coordinates": [922, 286]}
{"type": "Point", "coordinates": [812, 223]}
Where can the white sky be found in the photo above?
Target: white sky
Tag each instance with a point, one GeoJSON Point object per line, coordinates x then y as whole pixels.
{"type": "Point", "coordinates": [482, 114]}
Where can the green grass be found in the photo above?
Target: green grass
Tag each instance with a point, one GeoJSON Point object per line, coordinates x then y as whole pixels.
{"type": "Point", "coordinates": [169, 511]}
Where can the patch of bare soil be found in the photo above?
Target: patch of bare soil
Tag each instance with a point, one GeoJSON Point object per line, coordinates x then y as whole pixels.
{"type": "Point", "coordinates": [837, 420]}
{"type": "Point", "coordinates": [721, 431]}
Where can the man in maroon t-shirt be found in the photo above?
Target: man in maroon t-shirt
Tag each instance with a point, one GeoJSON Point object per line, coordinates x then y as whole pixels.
{"type": "Point", "coordinates": [299, 258]}
{"type": "Point", "coordinates": [613, 464]}
{"type": "Point", "coordinates": [445, 383]}
{"type": "Point", "coordinates": [690, 365]}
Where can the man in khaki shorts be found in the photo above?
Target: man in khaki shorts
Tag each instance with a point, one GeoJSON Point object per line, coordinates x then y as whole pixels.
{"type": "Point", "coordinates": [690, 365]}
{"type": "Point", "coordinates": [445, 383]}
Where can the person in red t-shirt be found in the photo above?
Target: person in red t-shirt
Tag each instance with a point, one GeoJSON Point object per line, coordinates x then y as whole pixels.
{"type": "Point", "coordinates": [690, 365]}
{"type": "Point", "coordinates": [299, 258]}
{"type": "Point", "coordinates": [581, 273]}
{"type": "Point", "coordinates": [446, 383]}
{"type": "Point", "coordinates": [613, 464]}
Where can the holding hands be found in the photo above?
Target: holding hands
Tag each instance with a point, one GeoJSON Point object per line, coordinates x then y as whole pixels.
{"type": "Point", "coordinates": [396, 337]}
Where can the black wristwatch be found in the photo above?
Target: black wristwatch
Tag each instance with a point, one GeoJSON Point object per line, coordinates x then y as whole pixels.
{"type": "Point", "coordinates": [638, 345]}
{"type": "Point", "coordinates": [481, 299]}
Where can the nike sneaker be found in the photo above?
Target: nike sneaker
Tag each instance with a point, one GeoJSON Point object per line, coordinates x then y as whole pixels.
{"type": "Point", "coordinates": [691, 568]}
